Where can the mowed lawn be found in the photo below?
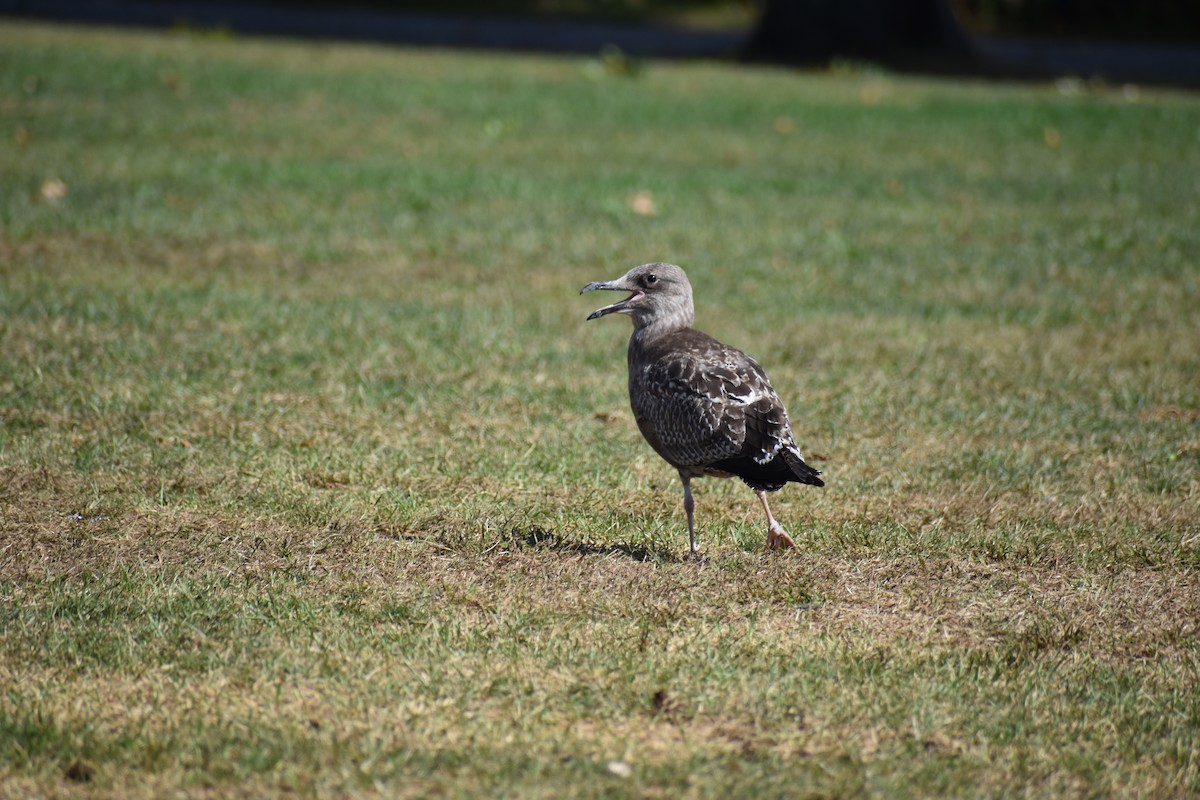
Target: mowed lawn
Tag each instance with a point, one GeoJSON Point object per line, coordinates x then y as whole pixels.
{"type": "Point", "coordinates": [314, 481]}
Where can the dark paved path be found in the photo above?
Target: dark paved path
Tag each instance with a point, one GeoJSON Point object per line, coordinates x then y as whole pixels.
{"type": "Point", "coordinates": [1015, 58]}
{"type": "Point", "coordinates": [508, 33]}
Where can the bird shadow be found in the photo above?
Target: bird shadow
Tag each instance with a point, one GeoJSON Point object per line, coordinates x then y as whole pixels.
{"type": "Point", "coordinates": [537, 538]}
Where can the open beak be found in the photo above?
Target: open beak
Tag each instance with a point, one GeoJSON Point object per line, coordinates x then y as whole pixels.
{"type": "Point", "coordinates": [620, 307]}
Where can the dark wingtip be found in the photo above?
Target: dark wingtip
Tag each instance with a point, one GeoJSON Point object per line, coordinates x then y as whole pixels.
{"type": "Point", "coordinates": [808, 476]}
{"type": "Point", "coordinates": [803, 471]}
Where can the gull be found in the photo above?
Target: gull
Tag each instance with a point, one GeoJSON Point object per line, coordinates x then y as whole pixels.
{"type": "Point", "coordinates": [707, 408]}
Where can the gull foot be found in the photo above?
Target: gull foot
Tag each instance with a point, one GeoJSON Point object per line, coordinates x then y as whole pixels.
{"type": "Point", "coordinates": [777, 539]}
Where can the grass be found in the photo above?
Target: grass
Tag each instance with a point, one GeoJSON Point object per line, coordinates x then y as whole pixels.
{"type": "Point", "coordinates": [314, 480]}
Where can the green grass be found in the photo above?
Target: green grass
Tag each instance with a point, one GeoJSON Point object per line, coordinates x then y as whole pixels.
{"type": "Point", "coordinates": [313, 479]}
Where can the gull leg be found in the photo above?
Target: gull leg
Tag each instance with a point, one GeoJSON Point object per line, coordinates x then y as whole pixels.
{"type": "Point", "coordinates": [777, 537]}
{"type": "Point", "coordinates": [689, 507]}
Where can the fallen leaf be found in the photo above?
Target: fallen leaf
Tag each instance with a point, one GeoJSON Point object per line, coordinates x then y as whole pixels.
{"type": "Point", "coordinates": [642, 203]}
{"type": "Point", "coordinates": [53, 190]}
{"type": "Point", "coordinates": [871, 94]}
{"type": "Point", "coordinates": [79, 771]}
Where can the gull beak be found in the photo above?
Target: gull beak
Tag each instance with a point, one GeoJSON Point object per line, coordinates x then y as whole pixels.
{"type": "Point", "coordinates": [621, 306]}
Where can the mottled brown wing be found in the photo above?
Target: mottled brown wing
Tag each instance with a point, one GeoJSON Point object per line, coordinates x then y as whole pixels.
{"type": "Point", "coordinates": [709, 404]}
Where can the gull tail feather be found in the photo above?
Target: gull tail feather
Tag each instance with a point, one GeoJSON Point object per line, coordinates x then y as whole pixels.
{"type": "Point", "coordinates": [800, 468]}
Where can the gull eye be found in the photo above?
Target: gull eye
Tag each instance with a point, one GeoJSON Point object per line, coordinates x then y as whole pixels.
{"type": "Point", "coordinates": [650, 280]}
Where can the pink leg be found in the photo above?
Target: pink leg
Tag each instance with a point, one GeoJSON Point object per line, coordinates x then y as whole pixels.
{"type": "Point", "coordinates": [689, 507]}
{"type": "Point", "coordinates": [777, 537]}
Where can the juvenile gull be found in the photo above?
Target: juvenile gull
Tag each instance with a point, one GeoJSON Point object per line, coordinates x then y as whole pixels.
{"type": "Point", "coordinates": [705, 407]}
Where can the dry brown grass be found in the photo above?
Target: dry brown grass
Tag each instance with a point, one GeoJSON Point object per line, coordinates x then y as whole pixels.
{"type": "Point", "coordinates": [373, 702]}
